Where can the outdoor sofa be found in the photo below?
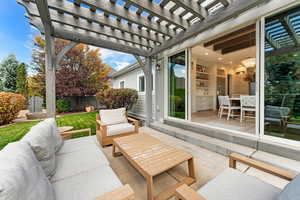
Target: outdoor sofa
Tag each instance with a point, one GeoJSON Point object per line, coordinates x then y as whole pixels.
{"type": "Point", "coordinates": [232, 184]}
{"type": "Point", "coordinates": [114, 123]}
{"type": "Point", "coordinates": [43, 167]}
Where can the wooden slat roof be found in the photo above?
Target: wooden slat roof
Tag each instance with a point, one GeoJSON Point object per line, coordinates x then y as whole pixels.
{"type": "Point", "coordinates": [140, 27]}
{"type": "Point", "coordinates": [283, 30]}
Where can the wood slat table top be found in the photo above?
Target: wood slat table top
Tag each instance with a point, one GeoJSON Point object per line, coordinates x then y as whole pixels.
{"type": "Point", "coordinates": [150, 154]}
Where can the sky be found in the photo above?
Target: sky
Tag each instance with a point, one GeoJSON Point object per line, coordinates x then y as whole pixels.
{"type": "Point", "coordinates": [16, 36]}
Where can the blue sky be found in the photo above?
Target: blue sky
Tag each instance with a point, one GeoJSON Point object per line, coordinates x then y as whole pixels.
{"type": "Point", "coordinates": [16, 37]}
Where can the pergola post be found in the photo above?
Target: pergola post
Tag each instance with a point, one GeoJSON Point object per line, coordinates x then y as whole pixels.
{"type": "Point", "coordinates": [147, 69]}
{"type": "Point", "coordinates": [50, 76]}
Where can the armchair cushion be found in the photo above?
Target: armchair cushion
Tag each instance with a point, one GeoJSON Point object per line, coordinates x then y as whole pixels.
{"type": "Point", "coordinates": [114, 116]}
{"type": "Point", "coordinates": [117, 129]}
{"type": "Point", "coordinates": [234, 185]}
{"type": "Point", "coordinates": [291, 190]}
{"type": "Point", "coordinates": [22, 177]}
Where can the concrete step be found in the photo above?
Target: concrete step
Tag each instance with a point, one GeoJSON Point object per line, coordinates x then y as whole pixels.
{"type": "Point", "coordinates": [225, 148]}
{"type": "Point", "coordinates": [210, 143]}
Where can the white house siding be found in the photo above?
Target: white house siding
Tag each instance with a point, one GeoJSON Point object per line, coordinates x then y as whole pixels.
{"type": "Point", "coordinates": [131, 81]}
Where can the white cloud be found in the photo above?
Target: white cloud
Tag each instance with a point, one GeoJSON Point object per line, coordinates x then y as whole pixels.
{"type": "Point", "coordinates": [121, 65]}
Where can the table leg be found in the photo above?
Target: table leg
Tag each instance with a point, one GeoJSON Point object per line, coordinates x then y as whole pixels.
{"type": "Point", "coordinates": [191, 167]}
{"type": "Point", "coordinates": [114, 153]}
{"type": "Point", "coordinates": [150, 188]}
{"type": "Point", "coordinates": [114, 150]}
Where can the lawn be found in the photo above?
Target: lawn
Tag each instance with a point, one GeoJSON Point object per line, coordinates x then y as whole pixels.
{"type": "Point", "coordinates": [15, 132]}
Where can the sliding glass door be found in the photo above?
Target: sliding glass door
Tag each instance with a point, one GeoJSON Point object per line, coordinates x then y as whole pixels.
{"type": "Point", "coordinates": [177, 86]}
{"type": "Point", "coordinates": [282, 75]}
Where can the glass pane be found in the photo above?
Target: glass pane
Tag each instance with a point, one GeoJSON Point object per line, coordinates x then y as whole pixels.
{"type": "Point", "coordinates": [122, 84]}
{"type": "Point", "coordinates": [176, 78]}
{"type": "Point", "coordinates": [141, 83]}
{"type": "Point", "coordinates": [282, 75]}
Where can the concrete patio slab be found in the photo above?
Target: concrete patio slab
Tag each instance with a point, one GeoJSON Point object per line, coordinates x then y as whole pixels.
{"type": "Point", "coordinates": [208, 165]}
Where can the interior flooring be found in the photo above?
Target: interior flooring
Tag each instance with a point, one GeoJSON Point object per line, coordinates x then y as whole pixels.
{"type": "Point", "coordinates": [211, 118]}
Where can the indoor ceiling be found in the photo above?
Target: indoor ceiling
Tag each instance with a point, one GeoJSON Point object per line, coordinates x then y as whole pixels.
{"type": "Point", "coordinates": [234, 58]}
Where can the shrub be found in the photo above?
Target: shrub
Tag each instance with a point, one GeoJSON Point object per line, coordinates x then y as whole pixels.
{"type": "Point", "coordinates": [117, 98]}
{"type": "Point", "coordinates": [63, 105]}
{"type": "Point", "coordinates": [10, 105]}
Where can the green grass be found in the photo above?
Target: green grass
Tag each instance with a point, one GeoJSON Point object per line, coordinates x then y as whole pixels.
{"type": "Point", "coordinates": [15, 132]}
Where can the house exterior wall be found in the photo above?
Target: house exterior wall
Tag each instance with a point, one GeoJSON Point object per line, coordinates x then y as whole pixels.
{"type": "Point", "coordinates": [161, 89]}
{"type": "Point", "coordinates": [131, 81]}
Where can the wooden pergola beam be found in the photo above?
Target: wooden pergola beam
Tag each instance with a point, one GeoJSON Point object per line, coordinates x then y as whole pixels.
{"type": "Point", "coordinates": [231, 11]}
{"type": "Point", "coordinates": [121, 12]}
{"type": "Point", "coordinates": [89, 38]}
{"type": "Point", "coordinates": [42, 6]}
{"type": "Point", "coordinates": [103, 30]}
{"type": "Point", "coordinates": [193, 7]}
{"type": "Point", "coordinates": [162, 13]}
{"type": "Point", "coordinates": [85, 13]}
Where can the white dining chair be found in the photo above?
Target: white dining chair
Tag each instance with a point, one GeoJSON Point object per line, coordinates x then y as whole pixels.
{"type": "Point", "coordinates": [225, 104]}
{"type": "Point", "coordinates": [248, 104]}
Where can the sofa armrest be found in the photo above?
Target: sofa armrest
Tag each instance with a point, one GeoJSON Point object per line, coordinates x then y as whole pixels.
{"type": "Point", "coordinates": [185, 192]}
{"type": "Point", "coordinates": [68, 134]}
{"type": "Point", "coordinates": [234, 157]}
{"type": "Point", "coordinates": [123, 193]}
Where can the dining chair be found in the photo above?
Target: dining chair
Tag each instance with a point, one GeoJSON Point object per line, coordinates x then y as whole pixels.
{"type": "Point", "coordinates": [225, 104]}
{"type": "Point", "coordinates": [248, 104]}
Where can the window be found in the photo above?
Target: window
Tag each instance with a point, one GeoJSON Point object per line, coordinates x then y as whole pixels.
{"type": "Point", "coordinates": [122, 84]}
{"type": "Point", "coordinates": [141, 83]}
{"type": "Point", "coordinates": [177, 87]}
{"type": "Point", "coordinates": [282, 75]}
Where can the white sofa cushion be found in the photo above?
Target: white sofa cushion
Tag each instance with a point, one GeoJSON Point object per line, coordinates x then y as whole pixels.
{"type": "Point", "coordinates": [22, 177]}
{"type": "Point", "coordinates": [234, 185]}
{"type": "Point", "coordinates": [56, 135]}
{"type": "Point", "coordinates": [291, 191]}
{"type": "Point", "coordinates": [87, 185]}
{"type": "Point", "coordinates": [40, 138]}
{"type": "Point", "coordinates": [114, 116]}
{"type": "Point", "coordinates": [77, 144]}
{"type": "Point", "coordinates": [73, 163]}
{"type": "Point", "coordinates": [117, 129]}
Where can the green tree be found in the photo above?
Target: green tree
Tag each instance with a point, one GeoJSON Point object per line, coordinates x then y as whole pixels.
{"type": "Point", "coordinates": [8, 70]}
{"type": "Point", "coordinates": [22, 84]}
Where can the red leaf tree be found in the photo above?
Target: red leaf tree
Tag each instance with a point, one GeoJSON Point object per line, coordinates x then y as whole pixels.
{"type": "Point", "coordinates": [80, 72]}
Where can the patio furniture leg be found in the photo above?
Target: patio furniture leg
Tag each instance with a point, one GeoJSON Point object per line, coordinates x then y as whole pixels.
{"type": "Point", "coordinates": [150, 188]}
{"type": "Point", "coordinates": [191, 166]}
{"type": "Point", "coordinates": [114, 153]}
{"type": "Point", "coordinates": [229, 113]}
{"type": "Point", "coordinates": [241, 118]}
{"type": "Point", "coordinates": [221, 114]}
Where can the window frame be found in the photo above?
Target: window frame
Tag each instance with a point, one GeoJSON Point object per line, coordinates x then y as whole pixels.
{"type": "Point", "coordinates": [120, 84]}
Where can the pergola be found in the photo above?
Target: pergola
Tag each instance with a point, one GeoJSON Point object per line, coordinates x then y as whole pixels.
{"type": "Point", "coordinates": [139, 27]}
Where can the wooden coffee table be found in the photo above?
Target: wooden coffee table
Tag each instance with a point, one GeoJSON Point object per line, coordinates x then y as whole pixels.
{"type": "Point", "coordinates": [151, 157]}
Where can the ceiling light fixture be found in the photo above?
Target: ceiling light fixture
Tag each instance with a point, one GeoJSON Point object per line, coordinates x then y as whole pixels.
{"type": "Point", "coordinates": [249, 62]}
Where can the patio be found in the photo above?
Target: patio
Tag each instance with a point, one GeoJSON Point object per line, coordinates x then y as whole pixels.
{"type": "Point", "coordinates": [208, 165]}
{"type": "Point", "coordinates": [107, 24]}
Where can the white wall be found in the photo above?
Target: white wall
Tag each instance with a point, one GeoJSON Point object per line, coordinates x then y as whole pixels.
{"type": "Point", "coordinates": [131, 81]}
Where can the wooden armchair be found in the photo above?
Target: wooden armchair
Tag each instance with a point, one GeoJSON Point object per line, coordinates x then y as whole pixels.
{"type": "Point", "coordinates": [103, 135]}
{"type": "Point", "coordinates": [123, 193]}
{"type": "Point", "coordinates": [184, 192]}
